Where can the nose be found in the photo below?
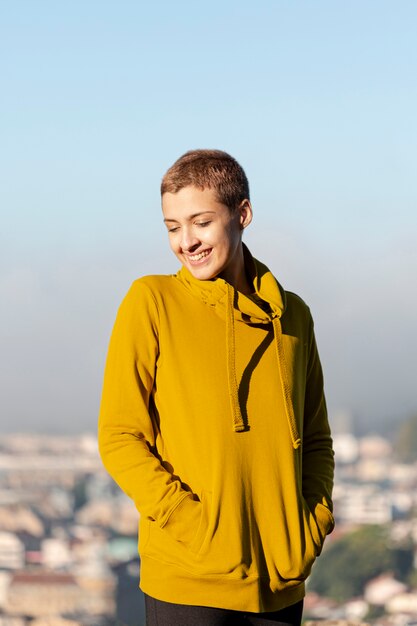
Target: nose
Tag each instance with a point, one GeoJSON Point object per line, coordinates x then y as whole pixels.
{"type": "Point", "coordinates": [189, 240]}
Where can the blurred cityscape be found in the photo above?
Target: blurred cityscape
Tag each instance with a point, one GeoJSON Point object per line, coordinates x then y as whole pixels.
{"type": "Point", "coordinates": [68, 536]}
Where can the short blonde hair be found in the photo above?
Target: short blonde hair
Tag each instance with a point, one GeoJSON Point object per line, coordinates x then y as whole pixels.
{"type": "Point", "coordinates": [208, 169]}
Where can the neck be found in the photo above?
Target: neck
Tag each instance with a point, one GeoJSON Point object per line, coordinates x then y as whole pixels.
{"type": "Point", "coordinates": [236, 275]}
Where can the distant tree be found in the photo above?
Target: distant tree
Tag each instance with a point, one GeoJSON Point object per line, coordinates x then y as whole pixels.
{"type": "Point", "coordinates": [374, 612]}
{"type": "Point", "coordinates": [350, 562]}
{"type": "Point", "coordinates": [80, 492]}
{"type": "Point", "coordinates": [412, 578]}
{"type": "Point", "coordinates": [403, 561]}
{"type": "Point", "coordinates": [405, 444]}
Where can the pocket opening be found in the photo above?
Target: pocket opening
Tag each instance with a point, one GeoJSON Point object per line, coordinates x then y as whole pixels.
{"type": "Point", "coordinates": [201, 533]}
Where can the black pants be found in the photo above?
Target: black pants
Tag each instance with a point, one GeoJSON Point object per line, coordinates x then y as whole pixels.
{"type": "Point", "coordinates": [160, 613]}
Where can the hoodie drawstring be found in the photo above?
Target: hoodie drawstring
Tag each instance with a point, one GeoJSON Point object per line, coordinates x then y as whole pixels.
{"type": "Point", "coordinates": [238, 423]}
{"type": "Point", "coordinates": [289, 409]}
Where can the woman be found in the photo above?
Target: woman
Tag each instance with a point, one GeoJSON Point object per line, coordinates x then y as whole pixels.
{"type": "Point", "coordinates": [213, 418]}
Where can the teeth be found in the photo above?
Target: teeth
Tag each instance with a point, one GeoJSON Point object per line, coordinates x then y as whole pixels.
{"type": "Point", "coordinates": [197, 257]}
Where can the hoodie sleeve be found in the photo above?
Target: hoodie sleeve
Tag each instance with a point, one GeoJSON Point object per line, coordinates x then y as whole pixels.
{"type": "Point", "coordinates": [318, 455]}
{"type": "Point", "coordinates": [125, 432]}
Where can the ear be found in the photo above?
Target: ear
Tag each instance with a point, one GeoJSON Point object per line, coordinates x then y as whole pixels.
{"type": "Point", "coordinates": [245, 213]}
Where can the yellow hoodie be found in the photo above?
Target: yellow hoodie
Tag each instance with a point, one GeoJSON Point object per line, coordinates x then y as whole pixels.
{"type": "Point", "coordinates": [213, 420]}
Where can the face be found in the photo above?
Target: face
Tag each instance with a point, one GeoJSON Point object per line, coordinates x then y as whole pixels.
{"type": "Point", "coordinates": [205, 235]}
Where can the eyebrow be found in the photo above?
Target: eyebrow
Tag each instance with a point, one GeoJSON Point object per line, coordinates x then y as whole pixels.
{"type": "Point", "coordinates": [190, 217]}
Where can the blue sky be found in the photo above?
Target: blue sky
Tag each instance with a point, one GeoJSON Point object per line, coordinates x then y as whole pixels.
{"type": "Point", "coordinates": [316, 100]}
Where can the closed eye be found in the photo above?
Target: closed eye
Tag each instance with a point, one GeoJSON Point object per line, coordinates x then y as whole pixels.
{"type": "Point", "coordinates": [203, 224]}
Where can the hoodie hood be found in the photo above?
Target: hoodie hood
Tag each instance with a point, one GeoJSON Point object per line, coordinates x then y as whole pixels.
{"type": "Point", "coordinates": [234, 306]}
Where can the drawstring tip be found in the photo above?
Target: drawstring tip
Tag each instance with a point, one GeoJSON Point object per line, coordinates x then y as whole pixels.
{"type": "Point", "coordinates": [296, 444]}
{"type": "Point", "coordinates": [238, 428]}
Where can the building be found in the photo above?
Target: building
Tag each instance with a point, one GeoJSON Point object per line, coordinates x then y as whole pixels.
{"type": "Point", "coordinates": [40, 594]}
{"type": "Point", "coordinates": [12, 551]}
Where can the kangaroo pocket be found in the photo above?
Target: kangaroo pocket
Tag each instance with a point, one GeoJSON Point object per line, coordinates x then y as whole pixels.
{"type": "Point", "coordinates": [300, 541]}
{"type": "Point", "coordinates": [279, 543]}
{"type": "Point", "coordinates": [161, 546]}
{"type": "Point", "coordinates": [202, 529]}
{"type": "Point", "coordinates": [219, 546]}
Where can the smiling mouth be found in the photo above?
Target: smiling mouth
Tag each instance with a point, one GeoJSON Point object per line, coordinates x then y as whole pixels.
{"type": "Point", "coordinates": [197, 258]}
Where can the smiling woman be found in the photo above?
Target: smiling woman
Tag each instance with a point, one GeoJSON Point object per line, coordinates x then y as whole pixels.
{"type": "Point", "coordinates": [213, 418]}
{"type": "Point", "coordinates": [206, 235]}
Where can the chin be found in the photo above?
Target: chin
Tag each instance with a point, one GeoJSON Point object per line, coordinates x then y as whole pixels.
{"type": "Point", "coordinates": [201, 274]}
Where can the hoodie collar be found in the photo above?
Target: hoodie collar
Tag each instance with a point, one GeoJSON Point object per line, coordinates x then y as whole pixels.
{"type": "Point", "coordinates": [214, 292]}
